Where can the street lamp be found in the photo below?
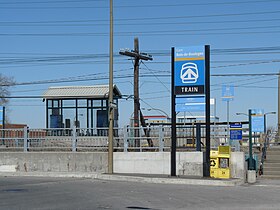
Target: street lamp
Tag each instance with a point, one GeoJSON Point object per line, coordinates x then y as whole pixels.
{"type": "Point", "coordinates": [265, 119]}
{"type": "Point", "coordinates": [156, 109]}
{"type": "Point", "coordinates": [250, 165]}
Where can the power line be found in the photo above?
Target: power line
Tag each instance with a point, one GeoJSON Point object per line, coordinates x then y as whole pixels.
{"type": "Point", "coordinates": [196, 16]}
{"type": "Point", "coordinates": [66, 22]}
{"type": "Point", "coordinates": [265, 49]}
{"type": "Point", "coordinates": [78, 80]}
{"type": "Point", "coordinates": [148, 18]}
{"type": "Point", "coordinates": [245, 85]}
{"type": "Point", "coordinates": [133, 6]}
{"type": "Point", "coordinates": [64, 80]}
{"type": "Point", "coordinates": [245, 64]}
{"type": "Point", "coordinates": [128, 34]}
{"type": "Point", "coordinates": [50, 2]}
{"type": "Point", "coordinates": [244, 74]}
{"type": "Point", "coordinates": [83, 58]}
{"type": "Point", "coordinates": [157, 78]}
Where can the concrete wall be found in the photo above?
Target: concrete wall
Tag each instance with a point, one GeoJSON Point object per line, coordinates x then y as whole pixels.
{"type": "Point", "coordinates": [238, 167]}
{"type": "Point", "coordinates": [188, 163]}
{"type": "Point", "coordinates": [56, 161]}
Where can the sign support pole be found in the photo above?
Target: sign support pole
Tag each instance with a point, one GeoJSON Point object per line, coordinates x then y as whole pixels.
{"type": "Point", "coordinates": [206, 173]}
{"type": "Point", "coordinates": [229, 142]}
{"type": "Point", "coordinates": [173, 116]}
{"type": "Point", "coordinates": [4, 118]}
{"type": "Point", "coordinates": [250, 167]}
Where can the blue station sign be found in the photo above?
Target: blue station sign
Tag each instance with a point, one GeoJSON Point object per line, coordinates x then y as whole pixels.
{"type": "Point", "coordinates": [190, 104]}
{"type": "Point", "coordinates": [189, 72]}
{"type": "Point", "coordinates": [236, 131]}
{"type": "Point", "coordinates": [257, 117]}
{"type": "Point", "coordinates": [227, 92]}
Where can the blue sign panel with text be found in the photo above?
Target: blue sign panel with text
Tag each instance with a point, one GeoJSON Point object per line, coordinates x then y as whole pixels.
{"type": "Point", "coordinates": [257, 117]}
{"type": "Point", "coordinates": [236, 131]}
{"type": "Point", "coordinates": [189, 75]}
{"type": "Point", "coordinates": [227, 92]}
{"type": "Point", "coordinates": [195, 104]}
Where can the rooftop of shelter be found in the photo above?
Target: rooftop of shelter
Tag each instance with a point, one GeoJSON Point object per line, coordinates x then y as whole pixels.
{"type": "Point", "coordinates": [73, 92]}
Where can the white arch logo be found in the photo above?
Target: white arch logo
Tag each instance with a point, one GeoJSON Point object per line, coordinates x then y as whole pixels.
{"type": "Point", "coordinates": [189, 73]}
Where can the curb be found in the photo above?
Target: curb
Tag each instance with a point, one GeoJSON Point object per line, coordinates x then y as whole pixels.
{"type": "Point", "coordinates": [132, 178]}
{"type": "Point", "coordinates": [170, 180]}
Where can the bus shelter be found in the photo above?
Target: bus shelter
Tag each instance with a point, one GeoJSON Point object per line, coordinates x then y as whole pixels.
{"type": "Point", "coordinates": [80, 106]}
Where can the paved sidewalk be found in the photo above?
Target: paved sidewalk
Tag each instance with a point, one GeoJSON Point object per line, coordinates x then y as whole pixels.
{"type": "Point", "coordinates": [142, 178]}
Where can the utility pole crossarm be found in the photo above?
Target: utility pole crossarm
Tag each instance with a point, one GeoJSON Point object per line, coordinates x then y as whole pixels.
{"type": "Point", "coordinates": [140, 56]}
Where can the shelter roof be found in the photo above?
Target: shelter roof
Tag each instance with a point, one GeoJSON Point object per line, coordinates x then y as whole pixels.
{"type": "Point", "coordinates": [72, 92]}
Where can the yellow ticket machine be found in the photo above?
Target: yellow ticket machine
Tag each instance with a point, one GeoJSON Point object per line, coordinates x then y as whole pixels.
{"type": "Point", "coordinates": [214, 164]}
{"type": "Point", "coordinates": [219, 162]}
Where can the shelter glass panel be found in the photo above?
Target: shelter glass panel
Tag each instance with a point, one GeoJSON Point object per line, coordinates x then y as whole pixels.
{"type": "Point", "coordinates": [56, 103]}
{"type": "Point", "coordinates": [69, 103]}
{"type": "Point", "coordinates": [82, 118]}
{"type": "Point", "coordinates": [97, 103]}
{"type": "Point", "coordinates": [82, 103]}
{"type": "Point", "coordinates": [68, 117]}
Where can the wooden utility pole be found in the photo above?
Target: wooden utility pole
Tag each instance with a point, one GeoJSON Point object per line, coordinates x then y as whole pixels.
{"type": "Point", "coordinates": [278, 131]}
{"type": "Point", "coordinates": [111, 98]}
{"type": "Point", "coordinates": [136, 91]}
{"type": "Point", "coordinates": [137, 57]}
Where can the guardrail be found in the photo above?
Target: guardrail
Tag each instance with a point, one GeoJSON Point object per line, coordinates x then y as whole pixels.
{"type": "Point", "coordinates": [158, 138]}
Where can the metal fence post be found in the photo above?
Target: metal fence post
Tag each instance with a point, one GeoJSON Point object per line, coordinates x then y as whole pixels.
{"type": "Point", "coordinates": [125, 139]}
{"type": "Point", "coordinates": [74, 139]}
{"type": "Point", "coordinates": [198, 137]}
{"type": "Point", "coordinates": [25, 139]}
{"type": "Point", "coordinates": [161, 138]}
{"type": "Point", "coordinates": [140, 138]}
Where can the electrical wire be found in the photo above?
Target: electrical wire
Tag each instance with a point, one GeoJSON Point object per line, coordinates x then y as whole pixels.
{"type": "Point", "coordinates": [44, 24]}
{"type": "Point", "coordinates": [136, 6]}
{"type": "Point", "coordinates": [156, 77]}
{"type": "Point", "coordinates": [157, 32]}
{"type": "Point", "coordinates": [219, 51]}
{"type": "Point", "coordinates": [49, 2]}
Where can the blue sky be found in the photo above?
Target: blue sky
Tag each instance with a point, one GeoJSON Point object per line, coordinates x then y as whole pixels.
{"type": "Point", "coordinates": [69, 39]}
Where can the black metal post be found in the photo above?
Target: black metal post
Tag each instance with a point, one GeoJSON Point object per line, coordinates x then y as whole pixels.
{"type": "Point", "coordinates": [47, 113]}
{"type": "Point", "coordinates": [198, 137]}
{"type": "Point", "coordinates": [250, 165]}
{"type": "Point", "coordinates": [206, 172]}
{"type": "Point", "coordinates": [3, 125]}
{"type": "Point", "coordinates": [4, 117]}
{"type": "Point", "coordinates": [173, 116]}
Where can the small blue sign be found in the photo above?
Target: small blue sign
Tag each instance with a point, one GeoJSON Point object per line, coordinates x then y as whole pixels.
{"type": "Point", "coordinates": [1, 115]}
{"type": "Point", "coordinates": [189, 71]}
{"type": "Point", "coordinates": [227, 92]}
{"type": "Point", "coordinates": [236, 131]}
{"type": "Point", "coordinates": [236, 126]}
{"type": "Point", "coordinates": [257, 120]}
{"type": "Point", "coordinates": [235, 134]}
{"type": "Point", "coordinates": [188, 104]}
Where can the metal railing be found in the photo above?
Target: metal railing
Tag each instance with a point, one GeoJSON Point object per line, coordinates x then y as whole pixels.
{"type": "Point", "coordinates": [158, 138]}
{"type": "Point", "coordinates": [269, 136]}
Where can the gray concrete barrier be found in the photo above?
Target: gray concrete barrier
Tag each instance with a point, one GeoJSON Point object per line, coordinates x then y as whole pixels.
{"type": "Point", "coordinates": [188, 163]}
{"type": "Point", "coordinates": [55, 161]}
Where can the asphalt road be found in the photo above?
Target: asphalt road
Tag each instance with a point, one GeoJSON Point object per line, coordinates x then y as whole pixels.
{"type": "Point", "coordinates": [73, 193]}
